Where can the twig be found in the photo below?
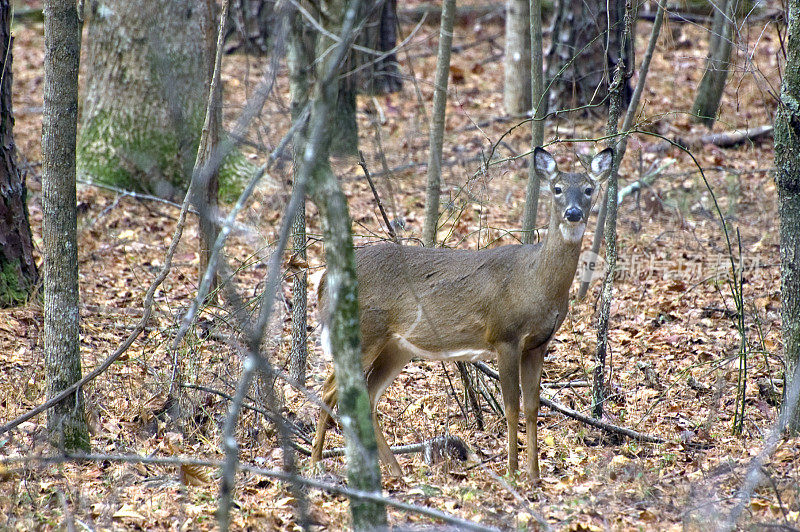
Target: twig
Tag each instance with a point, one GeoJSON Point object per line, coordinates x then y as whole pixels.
{"type": "Point", "coordinates": [363, 164]}
{"type": "Point", "coordinates": [133, 194]}
{"type": "Point", "coordinates": [272, 473]}
{"type": "Point", "coordinates": [266, 413]}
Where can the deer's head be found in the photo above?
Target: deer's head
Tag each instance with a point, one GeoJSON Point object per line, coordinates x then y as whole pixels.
{"type": "Point", "coordinates": [572, 191]}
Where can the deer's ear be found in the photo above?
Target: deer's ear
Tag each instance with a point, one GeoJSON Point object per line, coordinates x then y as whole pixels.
{"type": "Point", "coordinates": [601, 165]}
{"type": "Point", "coordinates": [544, 163]}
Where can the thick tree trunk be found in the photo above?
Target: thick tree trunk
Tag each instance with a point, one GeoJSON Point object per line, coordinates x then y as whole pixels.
{"type": "Point", "coordinates": [579, 66]}
{"type": "Point", "coordinates": [250, 25]}
{"type": "Point", "coordinates": [517, 84]}
{"type": "Point", "coordinates": [787, 179]}
{"type": "Point", "coordinates": [145, 93]}
{"type": "Point", "coordinates": [345, 141]}
{"type": "Point", "coordinates": [18, 273]}
{"type": "Point", "coordinates": [709, 92]}
{"type": "Point", "coordinates": [380, 75]}
{"type": "Point", "coordinates": [66, 421]}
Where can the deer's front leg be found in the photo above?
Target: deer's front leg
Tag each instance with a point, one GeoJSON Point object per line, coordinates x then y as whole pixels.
{"type": "Point", "coordinates": [508, 366]}
{"type": "Point", "coordinates": [531, 371]}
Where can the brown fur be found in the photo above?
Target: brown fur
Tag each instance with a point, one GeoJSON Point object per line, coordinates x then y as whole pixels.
{"type": "Point", "coordinates": [505, 302]}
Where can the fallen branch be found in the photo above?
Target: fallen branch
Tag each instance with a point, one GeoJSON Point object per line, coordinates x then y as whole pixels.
{"type": "Point", "coordinates": [727, 139]}
{"type": "Point", "coordinates": [602, 425]}
{"type": "Point", "coordinates": [645, 181]}
{"type": "Point", "coordinates": [724, 139]}
{"type": "Point", "coordinates": [433, 450]}
{"type": "Point", "coordinates": [432, 14]}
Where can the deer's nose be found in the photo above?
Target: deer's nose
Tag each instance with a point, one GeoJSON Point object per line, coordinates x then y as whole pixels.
{"type": "Point", "coordinates": [573, 214]}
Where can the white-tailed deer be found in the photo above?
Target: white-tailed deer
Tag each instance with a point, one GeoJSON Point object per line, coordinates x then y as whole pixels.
{"type": "Point", "coordinates": [449, 304]}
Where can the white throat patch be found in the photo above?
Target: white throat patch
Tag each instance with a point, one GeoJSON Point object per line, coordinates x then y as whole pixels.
{"type": "Point", "coordinates": [572, 233]}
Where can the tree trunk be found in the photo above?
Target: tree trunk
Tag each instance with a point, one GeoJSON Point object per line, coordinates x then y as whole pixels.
{"type": "Point", "coordinates": [538, 98]}
{"type": "Point", "coordinates": [66, 421]}
{"type": "Point", "coordinates": [380, 75]}
{"type": "Point", "coordinates": [579, 66]}
{"type": "Point", "coordinates": [145, 96]}
{"type": "Point", "coordinates": [345, 141]}
{"type": "Point", "coordinates": [250, 22]}
{"type": "Point", "coordinates": [206, 193]}
{"type": "Point", "coordinates": [622, 145]}
{"type": "Point", "coordinates": [299, 353]}
{"type": "Point", "coordinates": [345, 336]}
{"type": "Point", "coordinates": [787, 179]}
{"type": "Point", "coordinates": [433, 189]}
{"type": "Point", "coordinates": [614, 111]}
{"type": "Point", "coordinates": [517, 65]}
{"type": "Point", "coordinates": [300, 60]}
{"type": "Point", "coordinates": [18, 273]}
{"type": "Point", "coordinates": [709, 92]}
{"type": "Point", "coordinates": [365, 72]}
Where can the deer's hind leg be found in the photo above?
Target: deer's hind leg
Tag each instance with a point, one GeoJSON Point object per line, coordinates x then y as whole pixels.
{"type": "Point", "coordinates": [329, 399]}
{"type": "Point", "coordinates": [382, 370]}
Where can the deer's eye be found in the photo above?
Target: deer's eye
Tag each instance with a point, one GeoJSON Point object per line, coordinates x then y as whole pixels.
{"type": "Point", "coordinates": [557, 190]}
{"type": "Point", "coordinates": [588, 191]}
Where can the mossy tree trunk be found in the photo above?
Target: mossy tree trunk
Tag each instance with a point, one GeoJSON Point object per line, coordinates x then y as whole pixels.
{"type": "Point", "coordinates": [18, 273]}
{"type": "Point", "coordinates": [787, 179]}
{"type": "Point", "coordinates": [145, 96]}
{"type": "Point", "coordinates": [345, 336]}
{"type": "Point", "coordinates": [66, 421]}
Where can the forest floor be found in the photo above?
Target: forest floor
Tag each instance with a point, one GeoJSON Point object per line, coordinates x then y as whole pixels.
{"type": "Point", "coordinates": [676, 350]}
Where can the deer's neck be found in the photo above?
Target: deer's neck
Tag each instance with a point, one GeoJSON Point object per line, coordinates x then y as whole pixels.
{"type": "Point", "coordinates": [558, 257]}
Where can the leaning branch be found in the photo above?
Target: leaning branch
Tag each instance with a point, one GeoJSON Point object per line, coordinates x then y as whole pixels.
{"type": "Point", "coordinates": [389, 229]}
